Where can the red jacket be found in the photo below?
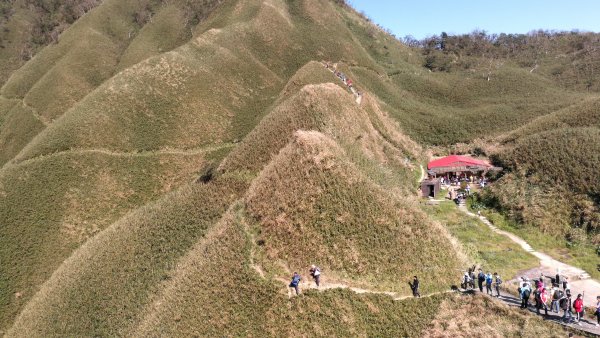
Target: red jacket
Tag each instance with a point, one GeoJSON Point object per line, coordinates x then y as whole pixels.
{"type": "Point", "coordinates": [544, 296]}
{"type": "Point", "coordinates": [578, 305]}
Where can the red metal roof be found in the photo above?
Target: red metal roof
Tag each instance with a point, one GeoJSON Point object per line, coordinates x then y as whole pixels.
{"type": "Point", "coordinates": [457, 161]}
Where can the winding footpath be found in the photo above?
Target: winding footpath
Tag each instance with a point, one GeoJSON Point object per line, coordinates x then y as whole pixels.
{"type": "Point", "coordinates": [578, 279]}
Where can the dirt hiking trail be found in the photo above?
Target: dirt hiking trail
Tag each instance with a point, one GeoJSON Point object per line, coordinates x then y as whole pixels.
{"type": "Point", "coordinates": [579, 280]}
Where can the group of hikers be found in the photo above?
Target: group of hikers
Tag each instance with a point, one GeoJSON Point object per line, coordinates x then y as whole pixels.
{"type": "Point", "coordinates": [315, 273]}
{"type": "Point", "coordinates": [547, 298]}
{"type": "Point", "coordinates": [491, 282]}
{"type": "Point", "coordinates": [456, 180]}
{"type": "Point", "coordinates": [345, 79]}
{"type": "Point", "coordinates": [551, 297]}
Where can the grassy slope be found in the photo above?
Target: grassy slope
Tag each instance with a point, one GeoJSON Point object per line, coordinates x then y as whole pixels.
{"type": "Point", "coordinates": [217, 274]}
{"type": "Point", "coordinates": [243, 55]}
{"type": "Point", "coordinates": [92, 50]}
{"type": "Point", "coordinates": [125, 300]}
{"type": "Point", "coordinates": [14, 40]}
{"type": "Point", "coordinates": [107, 282]}
{"type": "Point", "coordinates": [447, 108]}
{"type": "Point", "coordinates": [457, 317]}
{"type": "Point", "coordinates": [20, 37]}
{"type": "Point", "coordinates": [582, 114]}
{"type": "Point", "coordinates": [490, 251]}
{"type": "Point", "coordinates": [256, 44]}
{"type": "Point", "coordinates": [50, 206]}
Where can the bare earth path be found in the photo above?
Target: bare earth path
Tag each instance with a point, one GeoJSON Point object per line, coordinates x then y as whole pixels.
{"type": "Point", "coordinates": [326, 285]}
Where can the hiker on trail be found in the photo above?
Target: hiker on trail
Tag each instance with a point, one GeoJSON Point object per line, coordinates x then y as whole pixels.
{"type": "Point", "coordinates": [497, 282]}
{"type": "Point", "coordinates": [565, 284]}
{"type": "Point", "coordinates": [557, 294]}
{"type": "Point", "coordinates": [472, 276]}
{"type": "Point", "coordinates": [525, 282]}
{"type": "Point", "coordinates": [565, 305]}
{"type": "Point", "coordinates": [598, 310]}
{"type": "Point", "coordinates": [466, 281]}
{"type": "Point", "coordinates": [315, 272]}
{"type": "Point", "coordinates": [414, 286]}
{"type": "Point", "coordinates": [578, 307]}
{"type": "Point", "coordinates": [542, 301]}
{"type": "Point", "coordinates": [525, 293]}
{"type": "Point", "coordinates": [539, 283]}
{"type": "Point", "coordinates": [488, 284]}
{"type": "Point", "coordinates": [480, 280]}
{"type": "Point", "coordinates": [296, 282]}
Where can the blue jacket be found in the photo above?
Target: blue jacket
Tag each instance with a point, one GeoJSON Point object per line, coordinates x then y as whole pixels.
{"type": "Point", "coordinates": [295, 280]}
{"type": "Point", "coordinates": [488, 279]}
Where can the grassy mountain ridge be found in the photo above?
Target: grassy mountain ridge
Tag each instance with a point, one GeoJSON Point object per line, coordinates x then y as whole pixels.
{"type": "Point", "coordinates": [81, 272]}
{"type": "Point", "coordinates": [90, 113]}
{"type": "Point", "coordinates": [103, 136]}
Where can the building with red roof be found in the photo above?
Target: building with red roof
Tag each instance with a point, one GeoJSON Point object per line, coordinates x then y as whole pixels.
{"type": "Point", "coordinates": [458, 163]}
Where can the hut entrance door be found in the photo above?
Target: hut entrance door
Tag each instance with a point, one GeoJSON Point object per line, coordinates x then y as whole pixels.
{"type": "Point", "coordinates": [431, 190]}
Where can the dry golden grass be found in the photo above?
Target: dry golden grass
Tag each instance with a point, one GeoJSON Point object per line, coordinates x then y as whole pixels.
{"type": "Point", "coordinates": [313, 204]}
{"type": "Point", "coordinates": [102, 288]}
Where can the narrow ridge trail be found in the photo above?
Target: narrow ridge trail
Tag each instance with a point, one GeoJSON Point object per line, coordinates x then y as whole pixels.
{"type": "Point", "coordinates": [183, 152]}
{"type": "Point", "coordinates": [337, 285]}
{"type": "Point", "coordinates": [325, 285]}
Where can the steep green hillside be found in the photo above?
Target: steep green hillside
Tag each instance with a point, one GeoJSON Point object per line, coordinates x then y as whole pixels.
{"type": "Point", "coordinates": [26, 26]}
{"type": "Point", "coordinates": [553, 181]}
{"type": "Point", "coordinates": [581, 114]}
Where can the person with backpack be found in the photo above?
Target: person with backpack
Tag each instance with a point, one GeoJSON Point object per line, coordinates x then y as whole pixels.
{"type": "Point", "coordinates": [525, 293]}
{"type": "Point", "coordinates": [578, 307]}
{"type": "Point", "coordinates": [556, 296]}
{"type": "Point", "coordinates": [480, 280]}
{"type": "Point", "coordinates": [497, 282]}
{"type": "Point", "coordinates": [414, 286]}
{"type": "Point", "coordinates": [565, 305]}
{"type": "Point", "coordinates": [296, 282]}
{"type": "Point", "coordinates": [315, 272]}
{"type": "Point", "coordinates": [488, 284]}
